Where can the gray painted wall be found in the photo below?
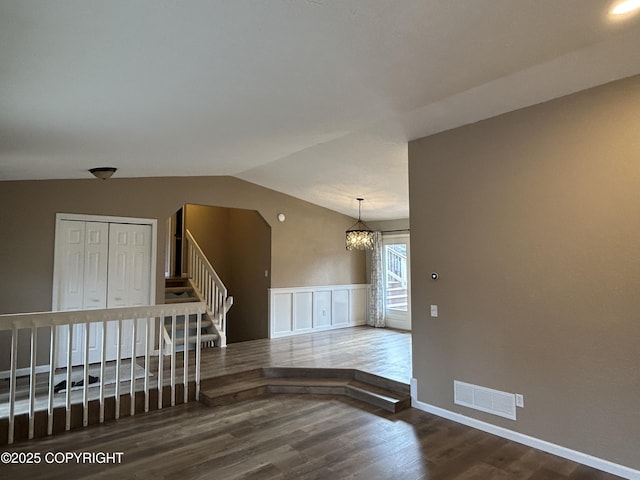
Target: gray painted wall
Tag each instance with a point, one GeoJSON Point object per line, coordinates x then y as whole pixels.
{"type": "Point", "coordinates": [532, 220]}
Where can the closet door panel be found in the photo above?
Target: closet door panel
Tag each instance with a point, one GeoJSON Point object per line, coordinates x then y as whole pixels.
{"type": "Point", "coordinates": [140, 285]}
{"type": "Point", "coordinates": [129, 281]}
{"type": "Point", "coordinates": [140, 255]}
{"type": "Point", "coordinates": [117, 290]}
{"type": "Point", "coordinates": [119, 266]}
{"type": "Point", "coordinates": [95, 281]}
{"type": "Point", "coordinates": [71, 290]}
{"type": "Point", "coordinates": [70, 296]}
{"type": "Point", "coordinates": [95, 268]}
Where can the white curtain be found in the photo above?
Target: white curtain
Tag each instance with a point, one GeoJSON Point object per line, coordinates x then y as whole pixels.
{"type": "Point", "coordinates": [376, 297]}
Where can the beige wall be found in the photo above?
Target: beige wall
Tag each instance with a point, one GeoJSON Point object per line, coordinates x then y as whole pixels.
{"type": "Point", "coordinates": [532, 220]}
{"type": "Point", "coordinates": [250, 255]}
{"type": "Point", "coordinates": [306, 250]}
{"type": "Point", "coordinates": [210, 227]}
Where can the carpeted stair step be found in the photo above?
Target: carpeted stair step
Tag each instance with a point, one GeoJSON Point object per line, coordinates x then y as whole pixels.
{"type": "Point", "coordinates": [186, 299]}
{"type": "Point", "coordinates": [205, 337]}
{"type": "Point", "coordinates": [179, 290]}
{"type": "Point", "coordinates": [204, 323]}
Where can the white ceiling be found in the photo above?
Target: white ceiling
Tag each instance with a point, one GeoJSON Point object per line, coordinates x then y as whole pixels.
{"type": "Point", "coordinates": [313, 98]}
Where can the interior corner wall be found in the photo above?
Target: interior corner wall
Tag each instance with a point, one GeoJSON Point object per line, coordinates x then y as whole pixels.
{"type": "Point", "coordinates": [250, 253]}
{"type": "Point", "coordinates": [532, 220]}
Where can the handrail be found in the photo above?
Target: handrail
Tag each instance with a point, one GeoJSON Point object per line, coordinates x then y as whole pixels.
{"type": "Point", "coordinates": [194, 244]}
{"type": "Point", "coordinates": [147, 316]}
{"type": "Point", "coordinates": [209, 287]}
{"type": "Point", "coordinates": [73, 317]}
{"type": "Point", "coordinates": [397, 262]}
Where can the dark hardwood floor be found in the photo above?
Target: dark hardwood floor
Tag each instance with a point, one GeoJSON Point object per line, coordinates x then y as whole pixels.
{"type": "Point", "coordinates": [297, 436]}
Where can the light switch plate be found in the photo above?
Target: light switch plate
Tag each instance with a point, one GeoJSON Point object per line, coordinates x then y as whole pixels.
{"type": "Point", "coordinates": [434, 310]}
{"type": "Point", "coordinates": [519, 400]}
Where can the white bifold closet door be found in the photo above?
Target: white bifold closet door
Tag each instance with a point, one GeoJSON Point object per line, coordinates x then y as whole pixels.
{"type": "Point", "coordinates": [101, 265]}
{"type": "Point", "coordinates": [128, 281]}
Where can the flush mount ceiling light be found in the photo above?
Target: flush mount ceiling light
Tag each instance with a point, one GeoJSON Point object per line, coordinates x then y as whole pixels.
{"type": "Point", "coordinates": [103, 172]}
{"type": "Point", "coordinates": [624, 7]}
{"type": "Point", "coordinates": [359, 236]}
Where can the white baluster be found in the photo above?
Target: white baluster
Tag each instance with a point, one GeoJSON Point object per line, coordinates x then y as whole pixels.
{"type": "Point", "coordinates": [85, 389]}
{"type": "Point", "coordinates": [103, 361]}
{"type": "Point", "coordinates": [52, 375]}
{"type": "Point", "coordinates": [198, 345]}
{"type": "Point", "coordinates": [185, 366]}
{"type": "Point", "coordinates": [160, 361]}
{"type": "Point", "coordinates": [173, 359]}
{"type": "Point", "coordinates": [32, 380]}
{"type": "Point", "coordinates": [147, 365]}
{"type": "Point", "coordinates": [12, 383]}
{"type": "Point", "coordinates": [132, 389]}
{"type": "Point", "coordinates": [69, 366]}
{"type": "Point", "coordinates": [118, 363]}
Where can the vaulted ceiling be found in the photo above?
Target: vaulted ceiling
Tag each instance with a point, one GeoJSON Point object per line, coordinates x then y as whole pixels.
{"type": "Point", "coordinates": [313, 98]}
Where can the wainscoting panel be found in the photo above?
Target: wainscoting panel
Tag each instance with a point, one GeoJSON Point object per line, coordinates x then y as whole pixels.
{"type": "Point", "coordinates": [281, 314]}
{"type": "Point", "coordinates": [340, 308]}
{"type": "Point", "coordinates": [322, 309]}
{"type": "Point", "coordinates": [302, 311]}
{"type": "Point", "coordinates": [297, 310]}
{"type": "Point", "coordinates": [359, 303]}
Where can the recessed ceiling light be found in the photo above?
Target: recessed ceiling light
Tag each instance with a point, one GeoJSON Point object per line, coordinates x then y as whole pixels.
{"type": "Point", "coordinates": [625, 6]}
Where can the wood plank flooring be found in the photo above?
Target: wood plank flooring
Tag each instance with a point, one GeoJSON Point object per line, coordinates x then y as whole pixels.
{"type": "Point", "coordinates": [298, 436]}
{"type": "Point", "coordinates": [384, 352]}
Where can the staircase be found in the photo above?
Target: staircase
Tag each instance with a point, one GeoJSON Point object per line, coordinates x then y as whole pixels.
{"type": "Point", "coordinates": [181, 290]}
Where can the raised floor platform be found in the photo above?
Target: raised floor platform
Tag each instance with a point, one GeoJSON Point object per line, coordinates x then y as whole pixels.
{"type": "Point", "coordinates": [377, 391]}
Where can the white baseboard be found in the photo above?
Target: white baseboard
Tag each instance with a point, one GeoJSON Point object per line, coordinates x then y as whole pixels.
{"type": "Point", "coordinates": [560, 451]}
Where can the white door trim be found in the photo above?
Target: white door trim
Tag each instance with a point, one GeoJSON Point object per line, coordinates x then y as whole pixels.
{"type": "Point", "coordinates": [400, 320]}
{"type": "Point", "coordinates": [57, 264]}
{"type": "Point", "coordinates": [108, 219]}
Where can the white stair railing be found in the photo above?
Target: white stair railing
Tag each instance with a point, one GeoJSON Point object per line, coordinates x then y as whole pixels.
{"type": "Point", "coordinates": [397, 266]}
{"type": "Point", "coordinates": [33, 324]}
{"type": "Point", "coordinates": [208, 287]}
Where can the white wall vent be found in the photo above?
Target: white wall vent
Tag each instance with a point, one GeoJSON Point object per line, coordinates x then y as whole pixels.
{"type": "Point", "coordinates": [485, 399]}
